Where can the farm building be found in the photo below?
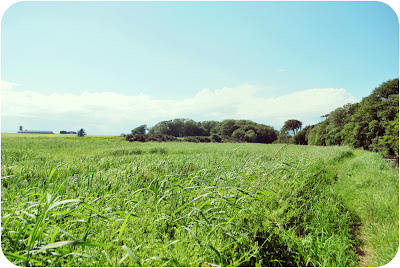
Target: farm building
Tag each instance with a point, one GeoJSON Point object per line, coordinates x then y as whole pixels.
{"type": "Point", "coordinates": [21, 130]}
{"type": "Point", "coordinates": [67, 132]}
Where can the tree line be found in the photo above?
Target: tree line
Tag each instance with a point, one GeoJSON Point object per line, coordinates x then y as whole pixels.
{"type": "Point", "coordinates": [372, 124]}
{"type": "Point", "coordinates": [228, 130]}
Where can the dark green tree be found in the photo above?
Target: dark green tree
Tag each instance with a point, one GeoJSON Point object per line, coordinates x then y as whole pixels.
{"type": "Point", "coordinates": [265, 134]}
{"type": "Point", "coordinates": [292, 125]}
{"type": "Point", "coordinates": [301, 137]}
{"type": "Point", "coordinates": [238, 134]}
{"type": "Point", "coordinates": [211, 127]}
{"type": "Point", "coordinates": [140, 130]}
{"type": "Point", "coordinates": [250, 136]}
{"type": "Point", "coordinates": [81, 133]}
{"type": "Point", "coordinates": [163, 127]}
{"type": "Point", "coordinates": [390, 140]}
{"type": "Point", "coordinates": [193, 128]}
{"type": "Point", "coordinates": [227, 127]}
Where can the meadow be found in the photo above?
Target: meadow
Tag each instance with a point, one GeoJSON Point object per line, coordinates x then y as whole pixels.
{"type": "Point", "coordinates": [103, 201]}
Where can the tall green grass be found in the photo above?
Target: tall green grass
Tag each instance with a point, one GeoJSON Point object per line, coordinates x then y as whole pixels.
{"type": "Point", "coordinates": [370, 189]}
{"type": "Point", "coordinates": [101, 201]}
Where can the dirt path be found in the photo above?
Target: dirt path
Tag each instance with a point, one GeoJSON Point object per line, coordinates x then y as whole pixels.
{"type": "Point", "coordinates": [361, 249]}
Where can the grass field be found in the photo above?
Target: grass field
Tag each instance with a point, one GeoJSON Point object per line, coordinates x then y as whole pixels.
{"type": "Point", "coordinates": [102, 201]}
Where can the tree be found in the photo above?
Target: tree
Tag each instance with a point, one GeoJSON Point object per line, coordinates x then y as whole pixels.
{"type": "Point", "coordinates": [238, 134]}
{"type": "Point", "coordinates": [386, 89]}
{"type": "Point", "coordinates": [266, 134]}
{"type": "Point", "coordinates": [81, 133]}
{"type": "Point", "coordinates": [141, 130]}
{"type": "Point", "coordinates": [250, 136]}
{"type": "Point", "coordinates": [192, 128]}
{"type": "Point", "coordinates": [284, 137]}
{"type": "Point", "coordinates": [211, 127]}
{"type": "Point", "coordinates": [163, 127]}
{"type": "Point", "coordinates": [227, 127]}
{"type": "Point", "coordinates": [389, 143]}
{"type": "Point", "coordinates": [292, 125]}
{"type": "Point", "coordinates": [371, 124]}
{"type": "Point", "coordinates": [215, 138]}
{"type": "Point", "coordinates": [301, 137]}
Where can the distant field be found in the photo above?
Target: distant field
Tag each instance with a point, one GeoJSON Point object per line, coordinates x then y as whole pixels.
{"type": "Point", "coordinates": [102, 201]}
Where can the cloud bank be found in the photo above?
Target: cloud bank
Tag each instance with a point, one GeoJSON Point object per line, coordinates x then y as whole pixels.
{"type": "Point", "coordinates": [113, 113]}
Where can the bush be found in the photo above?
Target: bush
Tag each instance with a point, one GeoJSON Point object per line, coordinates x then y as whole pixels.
{"type": "Point", "coordinates": [146, 137]}
{"type": "Point", "coordinates": [215, 138]}
{"type": "Point", "coordinates": [197, 139]}
{"type": "Point", "coordinates": [250, 136]}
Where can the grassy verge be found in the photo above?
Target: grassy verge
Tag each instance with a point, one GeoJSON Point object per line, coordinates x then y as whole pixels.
{"type": "Point", "coordinates": [369, 188]}
{"type": "Point", "coordinates": [102, 201]}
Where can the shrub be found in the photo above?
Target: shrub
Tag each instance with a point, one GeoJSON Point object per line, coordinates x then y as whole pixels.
{"type": "Point", "coordinates": [147, 137]}
{"type": "Point", "coordinates": [196, 139]}
{"type": "Point", "coordinates": [215, 138]}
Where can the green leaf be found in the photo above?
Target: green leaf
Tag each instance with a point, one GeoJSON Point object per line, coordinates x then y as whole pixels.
{"type": "Point", "coordinates": [92, 208]}
{"type": "Point", "coordinates": [121, 230]}
{"type": "Point", "coordinates": [19, 257]}
{"type": "Point", "coordinates": [60, 244]}
{"type": "Point", "coordinates": [216, 251]}
{"type": "Point", "coordinates": [51, 175]}
{"type": "Point", "coordinates": [79, 255]}
{"type": "Point", "coordinates": [132, 255]}
{"type": "Point", "coordinates": [59, 203]}
{"type": "Point", "coordinates": [64, 232]}
{"type": "Point", "coordinates": [157, 258]}
{"type": "Point", "coordinates": [188, 203]}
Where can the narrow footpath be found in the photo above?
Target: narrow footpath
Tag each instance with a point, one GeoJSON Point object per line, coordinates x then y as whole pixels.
{"type": "Point", "coordinates": [369, 188]}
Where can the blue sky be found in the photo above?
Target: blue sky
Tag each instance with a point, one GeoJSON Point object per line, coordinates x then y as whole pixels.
{"type": "Point", "coordinates": [108, 67]}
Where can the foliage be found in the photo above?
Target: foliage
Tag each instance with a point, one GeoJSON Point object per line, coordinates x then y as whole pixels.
{"type": "Point", "coordinates": [196, 139]}
{"type": "Point", "coordinates": [371, 124]}
{"type": "Point", "coordinates": [250, 136]}
{"type": "Point", "coordinates": [140, 130]}
{"type": "Point", "coordinates": [292, 125]}
{"type": "Point", "coordinates": [237, 130]}
{"type": "Point", "coordinates": [389, 143]}
{"type": "Point", "coordinates": [301, 137]}
{"type": "Point", "coordinates": [81, 133]}
{"type": "Point", "coordinates": [215, 138]}
{"type": "Point", "coordinates": [179, 128]}
{"type": "Point", "coordinates": [284, 137]}
{"type": "Point", "coordinates": [150, 137]}
{"type": "Point", "coordinates": [238, 134]}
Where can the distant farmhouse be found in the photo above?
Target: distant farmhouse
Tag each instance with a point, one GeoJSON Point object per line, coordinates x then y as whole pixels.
{"type": "Point", "coordinates": [21, 130]}
{"type": "Point", "coordinates": [67, 132]}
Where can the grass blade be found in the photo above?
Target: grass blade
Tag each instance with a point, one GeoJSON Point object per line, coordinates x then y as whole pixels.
{"type": "Point", "coordinates": [60, 244]}
{"type": "Point", "coordinates": [121, 230]}
{"type": "Point", "coordinates": [132, 255]}
{"type": "Point", "coordinates": [59, 203]}
{"type": "Point", "coordinates": [92, 208]}
{"type": "Point", "coordinates": [19, 257]}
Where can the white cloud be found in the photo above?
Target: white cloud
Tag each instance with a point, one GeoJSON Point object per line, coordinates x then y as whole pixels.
{"type": "Point", "coordinates": [6, 85]}
{"type": "Point", "coordinates": [113, 113]}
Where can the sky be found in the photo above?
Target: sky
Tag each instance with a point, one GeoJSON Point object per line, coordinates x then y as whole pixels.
{"type": "Point", "coordinates": [109, 67]}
